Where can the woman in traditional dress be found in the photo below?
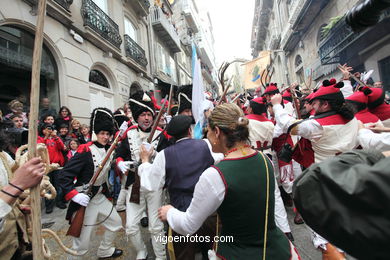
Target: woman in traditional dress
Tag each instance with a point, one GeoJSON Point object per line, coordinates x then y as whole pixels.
{"type": "Point", "coordinates": [241, 189]}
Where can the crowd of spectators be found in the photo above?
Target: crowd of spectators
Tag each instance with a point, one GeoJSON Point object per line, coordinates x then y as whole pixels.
{"type": "Point", "coordinates": [60, 132]}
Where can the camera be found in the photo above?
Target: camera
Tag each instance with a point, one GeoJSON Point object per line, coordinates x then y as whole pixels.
{"type": "Point", "coordinates": [366, 14]}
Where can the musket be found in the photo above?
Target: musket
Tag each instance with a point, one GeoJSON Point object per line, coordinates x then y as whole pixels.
{"type": "Point", "coordinates": [287, 87]}
{"type": "Point", "coordinates": [170, 100]}
{"type": "Point", "coordinates": [236, 97]}
{"type": "Point", "coordinates": [135, 190]}
{"type": "Point", "coordinates": [78, 219]}
{"type": "Point", "coordinates": [296, 103]}
{"type": "Point", "coordinates": [157, 120]}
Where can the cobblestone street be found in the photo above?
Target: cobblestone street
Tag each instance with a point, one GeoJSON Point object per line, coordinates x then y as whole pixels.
{"type": "Point", "coordinates": [300, 232]}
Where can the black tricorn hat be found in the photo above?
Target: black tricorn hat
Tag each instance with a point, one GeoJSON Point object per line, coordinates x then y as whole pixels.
{"type": "Point", "coordinates": [120, 117]}
{"type": "Point", "coordinates": [179, 125]}
{"type": "Point", "coordinates": [101, 120]}
{"type": "Point", "coordinates": [140, 102]}
{"type": "Point", "coordinates": [184, 98]}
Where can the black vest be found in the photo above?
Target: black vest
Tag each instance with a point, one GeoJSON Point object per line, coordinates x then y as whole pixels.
{"type": "Point", "coordinates": [185, 162]}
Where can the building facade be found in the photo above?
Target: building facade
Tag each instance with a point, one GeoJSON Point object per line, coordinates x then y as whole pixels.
{"type": "Point", "coordinates": [194, 27]}
{"type": "Point", "coordinates": [304, 41]}
{"type": "Point", "coordinates": [95, 51]}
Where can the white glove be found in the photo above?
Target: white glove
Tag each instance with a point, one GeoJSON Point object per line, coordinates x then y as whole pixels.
{"type": "Point", "coordinates": [168, 118]}
{"type": "Point", "coordinates": [124, 166]}
{"type": "Point", "coordinates": [82, 199]}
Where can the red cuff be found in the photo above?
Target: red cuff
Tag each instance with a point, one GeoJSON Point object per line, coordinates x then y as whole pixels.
{"type": "Point", "coordinates": [71, 194]}
{"type": "Point", "coordinates": [119, 159]}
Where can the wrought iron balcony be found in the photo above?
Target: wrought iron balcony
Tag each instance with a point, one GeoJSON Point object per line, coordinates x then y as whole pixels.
{"type": "Point", "coordinates": [64, 3]}
{"type": "Point", "coordinates": [165, 29]}
{"type": "Point", "coordinates": [339, 37]}
{"type": "Point", "coordinates": [134, 51]}
{"type": "Point", "coordinates": [100, 22]}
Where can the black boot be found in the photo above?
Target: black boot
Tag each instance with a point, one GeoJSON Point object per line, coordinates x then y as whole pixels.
{"type": "Point", "coordinates": [144, 222]}
{"type": "Point", "coordinates": [61, 205]}
{"type": "Point", "coordinates": [287, 199]}
{"type": "Point", "coordinates": [117, 253]}
{"type": "Point", "coordinates": [49, 205]}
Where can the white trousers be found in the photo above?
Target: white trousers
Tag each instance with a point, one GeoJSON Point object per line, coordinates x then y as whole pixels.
{"type": "Point", "coordinates": [97, 210]}
{"type": "Point", "coordinates": [280, 212]}
{"type": "Point", "coordinates": [152, 201]}
{"type": "Point", "coordinates": [121, 201]}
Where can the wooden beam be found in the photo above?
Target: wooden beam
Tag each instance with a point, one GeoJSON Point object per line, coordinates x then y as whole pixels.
{"type": "Point", "coordinates": [32, 131]}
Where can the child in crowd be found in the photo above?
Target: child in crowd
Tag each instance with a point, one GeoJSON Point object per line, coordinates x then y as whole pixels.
{"type": "Point", "coordinates": [72, 147]}
{"type": "Point", "coordinates": [64, 116]}
{"type": "Point", "coordinates": [64, 133]}
{"type": "Point", "coordinates": [75, 129]}
{"type": "Point", "coordinates": [85, 136]}
{"type": "Point", "coordinates": [16, 108]}
{"type": "Point", "coordinates": [48, 119]}
{"type": "Point", "coordinates": [55, 147]}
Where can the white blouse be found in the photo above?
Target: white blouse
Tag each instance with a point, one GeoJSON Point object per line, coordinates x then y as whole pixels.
{"type": "Point", "coordinates": [5, 209]}
{"type": "Point", "coordinates": [209, 194]}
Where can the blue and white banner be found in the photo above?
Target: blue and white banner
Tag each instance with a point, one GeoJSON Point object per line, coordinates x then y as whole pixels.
{"type": "Point", "coordinates": [198, 96]}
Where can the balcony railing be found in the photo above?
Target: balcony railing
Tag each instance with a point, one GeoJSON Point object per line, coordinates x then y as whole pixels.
{"type": "Point", "coordinates": [134, 51]}
{"type": "Point", "coordinates": [165, 29]}
{"type": "Point", "coordinates": [64, 3]}
{"type": "Point", "coordinates": [339, 37]}
{"type": "Point", "coordinates": [100, 22]}
{"type": "Point", "coordinates": [190, 14]}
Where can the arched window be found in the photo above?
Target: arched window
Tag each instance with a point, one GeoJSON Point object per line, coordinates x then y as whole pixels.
{"type": "Point", "coordinates": [298, 61]}
{"type": "Point", "coordinates": [98, 78]}
{"type": "Point", "coordinates": [16, 50]}
{"type": "Point", "coordinates": [130, 29]}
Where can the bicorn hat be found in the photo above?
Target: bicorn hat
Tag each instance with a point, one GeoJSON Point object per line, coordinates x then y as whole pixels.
{"type": "Point", "coordinates": [140, 102]}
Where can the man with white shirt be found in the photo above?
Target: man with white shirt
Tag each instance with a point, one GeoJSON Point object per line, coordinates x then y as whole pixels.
{"type": "Point", "coordinates": [374, 137]}
{"type": "Point", "coordinates": [178, 168]}
{"type": "Point", "coordinates": [331, 131]}
{"type": "Point", "coordinates": [139, 200]}
{"type": "Point", "coordinates": [98, 209]}
{"type": "Point", "coordinates": [261, 131]}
